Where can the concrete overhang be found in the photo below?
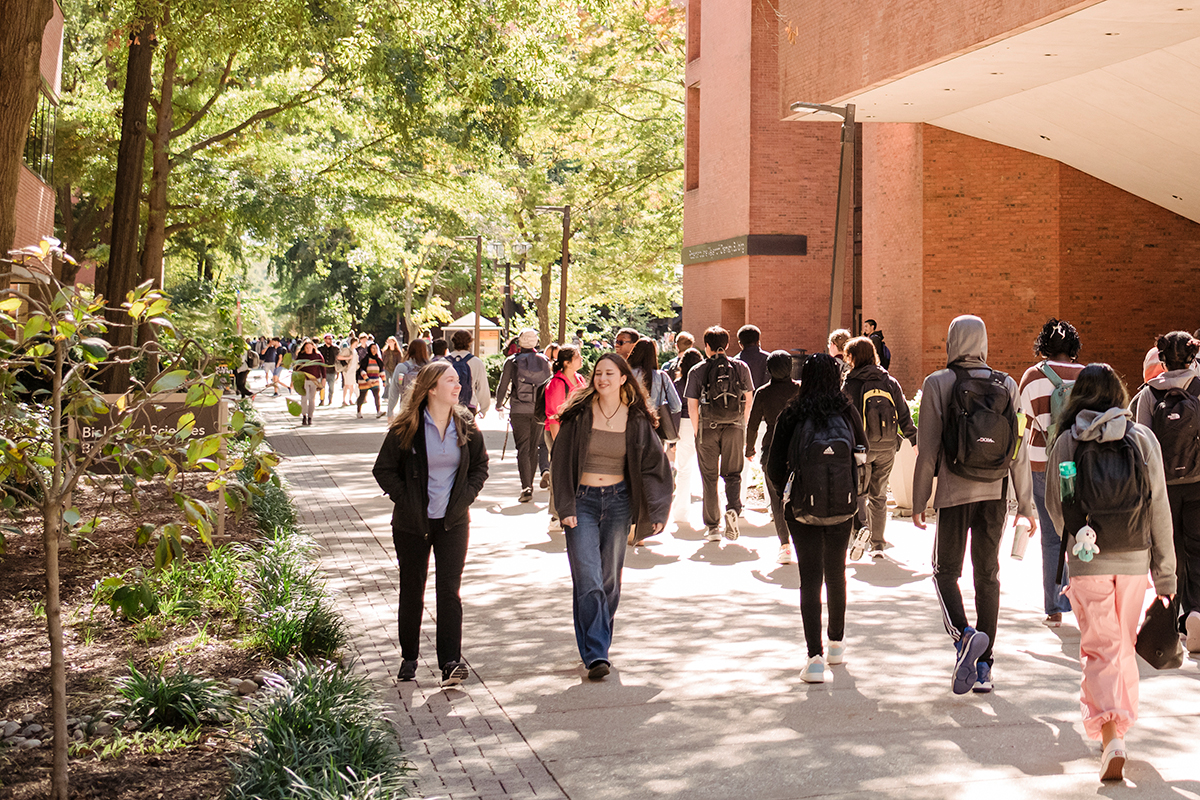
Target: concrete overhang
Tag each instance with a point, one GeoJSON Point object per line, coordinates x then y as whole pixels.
{"type": "Point", "coordinates": [1113, 90]}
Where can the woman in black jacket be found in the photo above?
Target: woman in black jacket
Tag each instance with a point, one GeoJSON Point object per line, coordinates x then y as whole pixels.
{"type": "Point", "coordinates": [769, 401]}
{"type": "Point", "coordinates": [608, 471]}
{"type": "Point", "coordinates": [432, 465]}
{"type": "Point", "coordinates": [370, 378]}
{"type": "Point", "coordinates": [820, 544]}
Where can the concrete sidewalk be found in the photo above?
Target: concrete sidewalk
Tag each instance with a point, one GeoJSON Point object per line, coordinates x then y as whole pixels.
{"type": "Point", "coordinates": [705, 700]}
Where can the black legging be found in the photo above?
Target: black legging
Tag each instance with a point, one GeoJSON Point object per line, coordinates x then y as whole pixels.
{"type": "Point", "coordinates": [362, 396]}
{"type": "Point", "coordinates": [821, 554]}
{"type": "Point", "coordinates": [450, 556]}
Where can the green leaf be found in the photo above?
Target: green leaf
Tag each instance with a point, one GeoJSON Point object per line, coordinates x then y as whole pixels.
{"type": "Point", "coordinates": [94, 350]}
{"type": "Point", "coordinates": [144, 531]}
{"type": "Point", "coordinates": [169, 381]}
{"type": "Point", "coordinates": [293, 407]}
{"type": "Point", "coordinates": [237, 420]}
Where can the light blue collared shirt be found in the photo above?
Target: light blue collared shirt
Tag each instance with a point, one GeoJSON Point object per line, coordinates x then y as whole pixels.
{"type": "Point", "coordinates": [442, 454]}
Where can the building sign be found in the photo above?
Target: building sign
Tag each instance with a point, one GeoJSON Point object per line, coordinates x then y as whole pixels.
{"type": "Point", "coordinates": [753, 244]}
{"type": "Point", "coordinates": [160, 417]}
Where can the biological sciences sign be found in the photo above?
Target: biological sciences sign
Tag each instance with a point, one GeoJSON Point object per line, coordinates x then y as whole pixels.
{"type": "Point", "coordinates": [161, 417]}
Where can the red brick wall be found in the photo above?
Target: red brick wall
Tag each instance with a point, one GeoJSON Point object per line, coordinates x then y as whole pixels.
{"type": "Point", "coordinates": [705, 286]}
{"type": "Point", "coordinates": [1130, 272]}
{"type": "Point", "coordinates": [35, 210]}
{"type": "Point", "coordinates": [893, 256]}
{"type": "Point", "coordinates": [833, 48]}
{"type": "Point", "coordinates": [51, 61]}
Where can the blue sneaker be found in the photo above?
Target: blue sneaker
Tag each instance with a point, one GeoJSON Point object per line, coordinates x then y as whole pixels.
{"type": "Point", "coordinates": [970, 648]}
{"type": "Point", "coordinates": [983, 678]}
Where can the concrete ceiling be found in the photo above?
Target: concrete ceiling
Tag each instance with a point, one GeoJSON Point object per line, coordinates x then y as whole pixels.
{"type": "Point", "coordinates": [1112, 90]}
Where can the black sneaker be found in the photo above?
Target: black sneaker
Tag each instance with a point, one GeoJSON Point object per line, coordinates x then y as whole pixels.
{"type": "Point", "coordinates": [598, 670]}
{"type": "Point", "coordinates": [408, 670]}
{"type": "Point", "coordinates": [526, 495]}
{"type": "Point", "coordinates": [454, 673]}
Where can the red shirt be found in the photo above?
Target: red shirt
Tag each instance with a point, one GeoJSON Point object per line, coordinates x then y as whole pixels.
{"type": "Point", "coordinates": [556, 395]}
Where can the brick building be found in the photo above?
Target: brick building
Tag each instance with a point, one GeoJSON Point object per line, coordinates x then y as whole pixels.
{"type": "Point", "coordinates": [1016, 160]}
{"type": "Point", "coordinates": [35, 193]}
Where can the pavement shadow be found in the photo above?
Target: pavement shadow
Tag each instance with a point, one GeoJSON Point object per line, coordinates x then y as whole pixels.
{"type": "Point", "coordinates": [1142, 779]}
{"type": "Point", "coordinates": [1046, 743]}
{"type": "Point", "coordinates": [785, 576]}
{"type": "Point", "coordinates": [713, 553]}
{"type": "Point", "coordinates": [556, 544]}
{"type": "Point", "coordinates": [684, 532]}
{"type": "Point", "coordinates": [643, 557]}
{"type": "Point", "coordinates": [885, 572]}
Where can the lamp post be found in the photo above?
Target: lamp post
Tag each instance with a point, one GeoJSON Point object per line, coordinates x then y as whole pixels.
{"type": "Point", "coordinates": [478, 281]}
{"type": "Point", "coordinates": [844, 220]}
{"type": "Point", "coordinates": [496, 251]}
{"type": "Point", "coordinates": [566, 258]}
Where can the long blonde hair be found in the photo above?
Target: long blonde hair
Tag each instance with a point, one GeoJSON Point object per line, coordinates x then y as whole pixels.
{"type": "Point", "coordinates": [411, 415]}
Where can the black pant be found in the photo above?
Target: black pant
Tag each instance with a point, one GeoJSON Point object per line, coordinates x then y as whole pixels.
{"type": "Point", "coordinates": [450, 554]}
{"type": "Point", "coordinates": [720, 454]}
{"type": "Point", "coordinates": [362, 397]}
{"type": "Point", "coordinates": [781, 526]}
{"type": "Point", "coordinates": [874, 516]}
{"type": "Point", "coordinates": [527, 433]}
{"type": "Point", "coordinates": [985, 521]}
{"type": "Point", "coordinates": [1185, 517]}
{"type": "Point", "coordinates": [239, 381]}
{"type": "Point", "coordinates": [821, 555]}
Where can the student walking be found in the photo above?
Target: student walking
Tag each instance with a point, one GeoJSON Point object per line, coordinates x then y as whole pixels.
{"type": "Point", "coordinates": [752, 355]}
{"type": "Point", "coordinates": [392, 357]}
{"type": "Point", "coordinates": [719, 393]}
{"type": "Point", "coordinates": [609, 470]}
{"type": "Point", "coordinates": [370, 376]}
{"type": "Point", "coordinates": [813, 463]}
{"type": "Point", "coordinates": [418, 356]}
{"type": "Point", "coordinates": [1045, 387]}
{"type": "Point", "coordinates": [685, 449]}
{"type": "Point", "coordinates": [309, 364]}
{"type": "Point", "coordinates": [1169, 405]}
{"type": "Point", "coordinates": [472, 374]}
{"type": "Point", "coordinates": [663, 399]}
{"type": "Point", "coordinates": [880, 402]}
{"type": "Point", "coordinates": [566, 380]}
{"type": "Point", "coordinates": [329, 354]}
{"type": "Point", "coordinates": [432, 465]}
{"type": "Point", "coordinates": [1109, 551]}
{"type": "Point", "coordinates": [523, 372]}
{"type": "Point", "coordinates": [969, 436]}
{"type": "Point", "coordinates": [769, 400]}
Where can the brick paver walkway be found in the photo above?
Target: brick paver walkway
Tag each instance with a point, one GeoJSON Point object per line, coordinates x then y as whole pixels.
{"type": "Point", "coordinates": [705, 699]}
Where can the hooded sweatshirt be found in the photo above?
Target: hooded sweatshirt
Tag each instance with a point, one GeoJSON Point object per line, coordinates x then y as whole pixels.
{"type": "Point", "coordinates": [1159, 560]}
{"type": "Point", "coordinates": [1143, 401]}
{"type": "Point", "coordinates": [966, 346]}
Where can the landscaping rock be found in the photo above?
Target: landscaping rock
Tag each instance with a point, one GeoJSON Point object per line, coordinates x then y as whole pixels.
{"type": "Point", "coordinates": [78, 735]}
{"type": "Point", "coordinates": [130, 726]}
{"type": "Point", "coordinates": [247, 687]}
{"type": "Point", "coordinates": [11, 728]}
{"type": "Point", "coordinates": [13, 741]}
{"type": "Point", "coordinates": [30, 744]}
{"type": "Point", "coordinates": [30, 730]}
{"type": "Point", "coordinates": [28, 718]}
{"type": "Point", "coordinates": [102, 729]}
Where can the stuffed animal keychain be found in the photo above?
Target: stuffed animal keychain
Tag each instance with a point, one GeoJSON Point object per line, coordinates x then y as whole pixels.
{"type": "Point", "coordinates": [1085, 543]}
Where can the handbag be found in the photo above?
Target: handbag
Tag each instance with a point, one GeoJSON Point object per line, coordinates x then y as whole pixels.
{"type": "Point", "coordinates": [668, 423]}
{"type": "Point", "coordinates": [1158, 638]}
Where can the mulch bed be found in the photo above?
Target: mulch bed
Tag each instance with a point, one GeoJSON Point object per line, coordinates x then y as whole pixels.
{"type": "Point", "coordinates": [100, 647]}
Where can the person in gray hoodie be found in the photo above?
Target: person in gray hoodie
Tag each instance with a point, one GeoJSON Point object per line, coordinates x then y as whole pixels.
{"type": "Point", "coordinates": [965, 505]}
{"type": "Point", "coordinates": [1178, 351]}
{"type": "Point", "coordinates": [1108, 591]}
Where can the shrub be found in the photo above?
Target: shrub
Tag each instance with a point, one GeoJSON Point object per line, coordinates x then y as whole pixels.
{"type": "Point", "coordinates": [154, 700]}
{"type": "Point", "coordinates": [292, 610]}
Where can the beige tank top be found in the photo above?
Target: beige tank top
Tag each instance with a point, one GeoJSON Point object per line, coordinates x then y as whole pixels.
{"type": "Point", "coordinates": [606, 455]}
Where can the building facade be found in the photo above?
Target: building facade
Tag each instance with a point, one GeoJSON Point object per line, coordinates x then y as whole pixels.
{"type": "Point", "coordinates": [35, 193]}
{"type": "Point", "coordinates": [1016, 160]}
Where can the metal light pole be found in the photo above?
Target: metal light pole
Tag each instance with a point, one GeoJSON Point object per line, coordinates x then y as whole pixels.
{"type": "Point", "coordinates": [478, 281]}
{"type": "Point", "coordinates": [844, 221]}
{"type": "Point", "coordinates": [566, 258]}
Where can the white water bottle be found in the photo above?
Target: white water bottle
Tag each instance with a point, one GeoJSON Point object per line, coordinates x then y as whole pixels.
{"type": "Point", "coordinates": [1021, 539]}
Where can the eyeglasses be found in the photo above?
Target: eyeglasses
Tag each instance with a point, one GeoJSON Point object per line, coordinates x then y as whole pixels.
{"type": "Point", "coordinates": [620, 342]}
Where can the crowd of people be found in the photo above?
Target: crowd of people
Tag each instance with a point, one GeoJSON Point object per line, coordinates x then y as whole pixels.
{"type": "Point", "coordinates": [1111, 490]}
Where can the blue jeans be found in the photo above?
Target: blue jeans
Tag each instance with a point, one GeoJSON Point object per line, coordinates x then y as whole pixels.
{"type": "Point", "coordinates": [596, 552]}
{"type": "Point", "coordinates": [1054, 600]}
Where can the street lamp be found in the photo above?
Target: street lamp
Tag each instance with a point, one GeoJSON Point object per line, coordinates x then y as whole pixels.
{"type": "Point", "coordinates": [844, 220]}
{"type": "Point", "coordinates": [496, 251]}
{"type": "Point", "coordinates": [566, 258]}
{"type": "Point", "coordinates": [478, 281]}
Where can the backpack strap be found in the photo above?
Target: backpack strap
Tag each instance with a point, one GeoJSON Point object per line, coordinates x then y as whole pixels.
{"type": "Point", "coordinates": [1050, 374]}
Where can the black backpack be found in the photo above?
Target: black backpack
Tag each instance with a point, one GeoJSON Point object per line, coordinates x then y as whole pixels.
{"type": "Point", "coordinates": [1112, 492]}
{"type": "Point", "coordinates": [466, 392]}
{"type": "Point", "coordinates": [880, 418]}
{"type": "Point", "coordinates": [823, 487]}
{"type": "Point", "coordinates": [539, 399]}
{"type": "Point", "coordinates": [1175, 421]}
{"type": "Point", "coordinates": [722, 396]}
{"type": "Point", "coordinates": [531, 372]}
{"type": "Point", "coordinates": [979, 433]}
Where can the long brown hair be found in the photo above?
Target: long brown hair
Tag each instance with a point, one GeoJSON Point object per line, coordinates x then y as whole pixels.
{"type": "Point", "coordinates": [1098, 388]}
{"type": "Point", "coordinates": [644, 356]}
{"type": "Point", "coordinates": [632, 393]}
{"type": "Point", "coordinates": [412, 412]}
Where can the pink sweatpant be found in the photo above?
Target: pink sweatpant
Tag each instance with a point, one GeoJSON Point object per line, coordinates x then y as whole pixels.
{"type": "Point", "coordinates": [1108, 609]}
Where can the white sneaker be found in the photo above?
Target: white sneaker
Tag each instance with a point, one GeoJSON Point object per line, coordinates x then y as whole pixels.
{"type": "Point", "coordinates": [858, 545]}
{"type": "Point", "coordinates": [836, 652]}
{"type": "Point", "coordinates": [731, 524]}
{"type": "Point", "coordinates": [1192, 625]}
{"type": "Point", "coordinates": [814, 670]}
{"type": "Point", "coordinates": [785, 555]}
{"type": "Point", "coordinates": [1112, 762]}
{"type": "Point", "coordinates": [713, 535]}
{"type": "Point", "coordinates": [555, 525]}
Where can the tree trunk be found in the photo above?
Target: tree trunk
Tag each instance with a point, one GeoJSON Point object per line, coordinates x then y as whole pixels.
{"type": "Point", "coordinates": [127, 192]}
{"type": "Point", "coordinates": [156, 216]}
{"type": "Point", "coordinates": [543, 304]}
{"type": "Point", "coordinates": [52, 511]}
{"type": "Point", "coordinates": [20, 79]}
